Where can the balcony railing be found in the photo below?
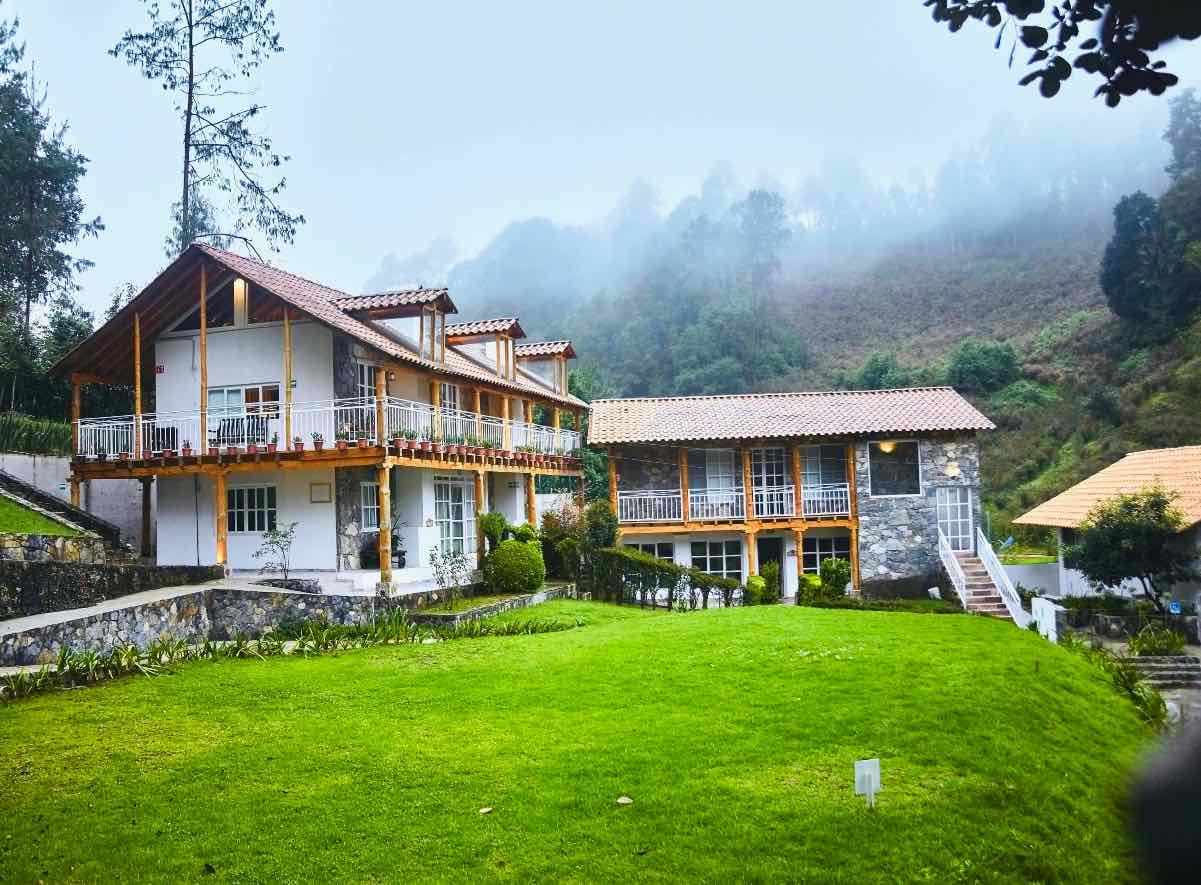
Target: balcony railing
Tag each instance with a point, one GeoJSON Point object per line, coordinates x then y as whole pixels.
{"type": "Point", "coordinates": [832, 499]}
{"type": "Point", "coordinates": [715, 505]}
{"type": "Point", "coordinates": [650, 506]}
{"type": "Point", "coordinates": [353, 419]}
{"type": "Point", "coordinates": [774, 502]}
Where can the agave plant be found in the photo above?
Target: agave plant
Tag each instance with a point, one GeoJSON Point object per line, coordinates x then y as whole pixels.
{"type": "Point", "coordinates": [270, 645]}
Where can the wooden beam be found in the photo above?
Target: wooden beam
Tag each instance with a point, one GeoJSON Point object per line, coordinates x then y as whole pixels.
{"type": "Point", "coordinates": [385, 522]}
{"type": "Point", "coordinates": [146, 484]}
{"type": "Point", "coordinates": [74, 491]}
{"type": "Point", "coordinates": [852, 480]}
{"type": "Point", "coordinates": [855, 557]}
{"type": "Point", "coordinates": [683, 462]}
{"type": "Point", "coordinates": [752, 553]}
{"type": "Point", "coordinates": [506, 430]}
{"type": "Point", "coordinates": [287, 441]}
{"type": "Point", "coordinates": [747, 487]}
{"type": "Point", "coordinates": [436, 402]}
{"type": "Point", "coordinates": [612, 480]}
{"type": "Point", "coordinates": [203, 442]}
{"type": "Point", "coordinates": [381, 401]}
{"type": "Point", "coordinates": [475, 407]}
{"type": "Point", "coordinates": [498, 356]}
{"type": "Point", "coordinates": [798, 491]}
{"type": "Point", "coordinates": [76, 408]}
{"type": "Point", "coordinates": [478, 479]}
{"type": "Point", "coordinates": [421, 333]}
{"type": "Point", "coordinates": [137, 387]}
{"type": "Point", "coordinates": [219, 505]}
{"type": "Point", "coordinates": [531, 501]}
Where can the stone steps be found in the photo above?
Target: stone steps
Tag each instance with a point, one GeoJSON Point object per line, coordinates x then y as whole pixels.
{"type": "Point", "coordinates": [982, 595]}
{"type": "Point", "coordinates": [1170, 671]}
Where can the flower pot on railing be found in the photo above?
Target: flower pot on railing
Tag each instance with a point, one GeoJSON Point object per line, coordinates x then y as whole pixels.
{"type": "Point", "coordinates": [214, 451]}
{"type": "Point", "coordinates": [102, 456]}
{"type": "Point", "coordinates": [362, 443]}
{"type": "Point", "coordinates": [124, 456]}
{"type": "Point", "coordinates": [231, 451]}
{"type": "Point", "coordinates": [298, 445]}
{"type": "Point", "coordinates": [272, 448]}
{"type": "Point", "coordinates": [252, 449]}
{"type": "Point", "coordinates": [319, 446]}
{"type": "Point", "coordinates": [425, 445]}
{"type": "Point", "coordinates": [439, 449]}
{"type": "Point", "coordinates": [168, 453]}
{"type": "Point", "coordinates": [185, 452]}
{"type": "Point", "coordinates": [342, 445]}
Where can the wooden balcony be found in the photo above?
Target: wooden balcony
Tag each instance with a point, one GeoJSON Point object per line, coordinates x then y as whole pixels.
{"type": "Point", "coordinates": [830, 501]}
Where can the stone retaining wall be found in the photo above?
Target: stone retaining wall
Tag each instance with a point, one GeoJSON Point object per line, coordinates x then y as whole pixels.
{"type": "Point", "coordinates": [31, 588]}
{"type": "Point", "coordinates": [437, 619]}
{"type": "Point", "coordinates": [52, 548]}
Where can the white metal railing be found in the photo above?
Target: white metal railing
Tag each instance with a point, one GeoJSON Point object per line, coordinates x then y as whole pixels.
{"type": "Point", "coordinates": [831, 499]}
{"type": "Point", "coordinates": [717, 504]}
{"type": "Point", "coordinates": [352, 418]}
{"type": "Point", "coordinates": [1000, 579]}
{"type": "Point", "coordinates": [774, 501]}
{"type": "Point", "coordinates": [954, 570]}
{"type": "Point", "coordinates": [650, 506]}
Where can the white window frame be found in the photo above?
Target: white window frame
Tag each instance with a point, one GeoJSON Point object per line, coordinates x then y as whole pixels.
{"type": "Point", "coordinates": [763, 464]}
{"type": "Point", "coordinates": [444, 487]}
{"type": "Point", "coordinates": [369, 515]}
{"type": "Point", "coordinates": [966, 538]}
{"type": "Point", "coordinates": [243, 409]}
{"type": "Point", "coordinates": [652, 548]}
{"type": "Point", "coordinates": [723, 555]}
{"type": "Point", "coordinates": [449, 394]}
{"type": "Point", "coordinates": [242, 509]}
{"type": "Point", "coordinates": [816, 455]}
{"type": "Point", "coordinates": [364, 379]}
{"type": "Point", "coordinates": [921, 486]}
{"type": "Point", "coordinates": [825, 550]}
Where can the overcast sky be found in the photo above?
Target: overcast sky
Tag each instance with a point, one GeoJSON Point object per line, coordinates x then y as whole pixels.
{"type": "Point", "coordinates": [410, 120]}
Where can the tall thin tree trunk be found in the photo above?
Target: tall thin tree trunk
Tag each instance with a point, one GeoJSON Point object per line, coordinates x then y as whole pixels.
{"type": "Point", "coordinates": [185, 209]}
{"type": "Point", "coordinates": [29, 247]}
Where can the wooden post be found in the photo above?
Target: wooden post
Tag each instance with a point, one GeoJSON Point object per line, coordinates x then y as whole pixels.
{"type": "Point", "coordinates": [747, 488]}
{"type": "Point", "coordinates": [684, 508]}
{"type": "Point", "coordinates": [798, 492]}
{"type": "Point", "coordinates": [436, 402]}
{"type": "Point", "coordinates": [76, 401]}
{"type": "Point", "coordinates": [146, 480]}
{"type": "Point", "coordinates": [752, 553]}
{"type": "Point", "coordinates": [475, 407]}
{"type": "Point", "coordinates": [478, 478]}
{"type": "Point", "coordinates": [202, 444]}
{"type": "Point", "coordinates": [612, 480]}
{"type": "Point", "coordinates": [421, 333]}
{"type": "Point", "coordinates": [506, 430]}
{"type": "Point", "coordinates": [287, 380]}
{"type": "Point", "coordinates": [381, 399]}
{"type": "Point", "coordinates": [531, 501]}
{"type": "Point", "coordinates": [555, 423]}
{"type": "Point", "coordinates": [852, 481]}
{"type": "Point", "coordinates": [498, 357]}
{"type": "Point", "coordinates": [219, 505]}
{"type": "Point", "coordinates": [855, 557]}
{"type": "Point", "coordinates": [800, 557]}
{"type": "Point", "coordinates": [137, 387]}
{"type": "Point", "coordinates": [385, 522]}
{"type": "Point", "coordinates": [74, 492]}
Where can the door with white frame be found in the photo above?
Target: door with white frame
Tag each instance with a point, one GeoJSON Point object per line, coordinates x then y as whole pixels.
{"type": "Point", "coordinates": [954, 505]}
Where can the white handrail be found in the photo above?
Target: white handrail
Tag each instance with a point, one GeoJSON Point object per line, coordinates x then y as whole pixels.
{"type": "Point", "coordinates": [1000, 579]}
{"type": "Point", "coordinates": [717, 504]}
{"type": "Point", "coordinates": [954, 570]}
{"type": "Point", "coordinates": [774, 501]}
{"type": "Point", "coordinates": [650, 506]}
{"type": "Point", "coordinates": [831, 499]}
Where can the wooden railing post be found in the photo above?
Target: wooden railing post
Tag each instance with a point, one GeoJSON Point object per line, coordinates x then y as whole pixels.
{"type": "Point", "coordinates": [478, 478]}
{"type": "Point", "coordinates": [76, 408]}
{"type": "Point", "coordinates": [752, 553]}
{"type": "Point", "coordinates": [612, 480]}
{"type": "Point", "coordinates": [747, 488]}
{"type": "Point", "coordinates": [531, 501]}
{"type": "Point", "coordinates": [506, 430]}
{"type": "Point", "coordinates": [436, 402]}
{"type": "Point", "coordinates": [684, 507]}
{"type": "Point", "coordinates": [852, 481]}
{"type": "Point", "coordinates": [477, 409]}
{"type": "Point", "coordinates": [798, 499]}
{"type": "Point", "coordinates": [384, 500]}
{"type": "Point", "coordinates": [381, 401]}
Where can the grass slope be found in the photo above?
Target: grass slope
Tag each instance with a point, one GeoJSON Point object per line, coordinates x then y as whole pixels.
{"type": "Point", "coordinates": [22, 520]}
{"type": "Point", "coordinates": [734, 732]}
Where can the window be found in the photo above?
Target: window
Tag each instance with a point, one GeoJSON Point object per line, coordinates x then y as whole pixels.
{"type": "Point", "coordinates": [369, 505]}
{"type": "Point", "coordinates": [824, 465]}
{"type": "Point", "coordinates": [817, 549]}
{"type": "Point", "coordinates": [723, 558]}
{"type": "Point", "coordinates": [364, 379]}
{"type": "Point", "coordinates": [250, 508]}
{"type": "Point", "coordinates": [954, 505]}
{"type": "Point", "coordinates": [454, 511]}
{"type": "Point", "coordinates": [450, 396]}
{"type": "Point", "coordinates": [894, 468]}
{"type": "Point", "coordinates": [663, 549]}
{"type": "Point", "coordinates": [252, 399]}
{"type": "Point", "coordinates": [768, 467]}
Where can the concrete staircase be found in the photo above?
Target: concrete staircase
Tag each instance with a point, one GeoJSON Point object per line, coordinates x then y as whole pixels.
{"type": "Point", "coordinates": [982, 595]}
{"type": "Point", "coordinates": [1170, 671]}
{"type": "Point", "coordinates": [19, 488]}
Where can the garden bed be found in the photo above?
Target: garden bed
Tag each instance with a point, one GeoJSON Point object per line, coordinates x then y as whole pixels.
{"type": "Point", "coordinates": [472, 608]}
{"type": "Point", "coordinates": [297, 585]}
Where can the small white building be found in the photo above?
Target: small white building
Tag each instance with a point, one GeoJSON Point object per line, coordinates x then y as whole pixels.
{"type": "Point", "coordinates": [371, 421]}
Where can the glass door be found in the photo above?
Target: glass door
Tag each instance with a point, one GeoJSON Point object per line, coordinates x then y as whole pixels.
{"type": "Point", "coordinates": [954, 504]}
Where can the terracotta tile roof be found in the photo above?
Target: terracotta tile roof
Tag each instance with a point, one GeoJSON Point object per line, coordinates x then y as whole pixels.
{"type": "Point", "coordinates": [321, 303]}
{"type": "Point", "coordinates": [544, 348]}
{"type": "Point", "coordinates": [770, 415]}
{"type": "Point", "coordinates": [1176, 470]}
{"type": "Point", "coordinates": [509, 325]}
{"type": "Point", "coordinates": [399, 298]}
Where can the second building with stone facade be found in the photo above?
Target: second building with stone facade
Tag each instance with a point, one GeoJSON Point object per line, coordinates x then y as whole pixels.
{"type": "Point", "coordinates": [727, 483]}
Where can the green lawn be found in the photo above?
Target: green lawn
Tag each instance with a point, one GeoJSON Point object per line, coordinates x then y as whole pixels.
{"type": "Point", "coordinates": [734, 732]}
{"type": "Point", "coordinates": [1027, 558]}
{"type": "Point", "coordinates": [23, 521]}
{"type": "Point", "coordinates": [463, 603]}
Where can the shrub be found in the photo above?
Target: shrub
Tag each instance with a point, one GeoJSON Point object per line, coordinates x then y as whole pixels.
{"type": "Point", "coordinates": [516, 566]}
{"type": "Point", "coordinates": [1156, 640]}
{"type": "Point", "coordinates": [567, 554]}
{"type": "Point", "coordinates": [809, 589]}
{"type": "Point", "coordinates": [835, 575]}
{"type": "Point", "coordinates": [600, 526]}
{"type": "Point", "coordinates": [771, 576]}
{"type": "Point", "coordinates": [982, 366]}
{"type": "Point", "coordinates": [756, 592]}
{"type": "Point", "coordinates": [493, 525]}
{"type": "Point", "coordinates": [524, 533]}
{"type": "Point", "coordinates": [626, 575]}
{"type": "Point", "coordinates": [558, 526]}
{"type": "Point", "coordinates": [1105, 603]}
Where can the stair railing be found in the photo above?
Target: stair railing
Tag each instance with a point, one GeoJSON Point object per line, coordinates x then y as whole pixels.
{"type": "Point", "coordinates": [1000, 579]}
{"type": "Point", "coordinates": [954, 570]}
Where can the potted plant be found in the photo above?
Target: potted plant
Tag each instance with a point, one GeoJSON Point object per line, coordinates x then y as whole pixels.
{"type": "Point", "coordinates": [124, 456]}
{"type": "Point", "coordinates": [297, 444]}
{"type": "Point", "coordinates": [168, 453]}
{"type": "Point", "coordinates": [101, 455]}
{"type": "Point", "coordinates": [362, 442]}
{"type": "Point", "coordinates": [318, 441]}
{"type": "Point", "coordinates": [231, 451]}
{"type": "Point", "coordinates": [341, 441]}
{"type": "Point", "coordinates": [185, 451]}
{"type": "Point", "coordinates": [273, 446]}
{"type": "Point", "coordinates": [214, 451]}
{"type": "Point", "coordinates": [425, 443]}
{"type": "Point", "coordinates": [398, 440]}
{"type": "Point", "coordinates": [252, 448]}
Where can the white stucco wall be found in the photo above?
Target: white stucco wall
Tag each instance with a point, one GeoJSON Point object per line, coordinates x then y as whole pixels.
{"type": "Point", "coordinates": [186, 515]}
{"type": "Point", "coordinates": [508, 495]}
{"type": "Point", "coordinates": [253, 355]}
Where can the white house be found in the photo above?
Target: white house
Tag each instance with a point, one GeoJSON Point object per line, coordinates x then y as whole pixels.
{"type": "Point", "coordinates": [262, 399]}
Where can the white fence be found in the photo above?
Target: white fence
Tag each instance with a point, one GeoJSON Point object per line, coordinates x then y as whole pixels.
{"type": "Point", "coordinates": [954, 570]}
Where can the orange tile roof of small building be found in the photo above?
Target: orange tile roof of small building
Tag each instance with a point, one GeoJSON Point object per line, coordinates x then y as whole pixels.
{"type": "Point", "coordinates": [1175, 470]}
{"type": "Point", "coordinates": [544, 348]}
{"type": "Point", "coordinates": [507, 325]}
{"type": "Point", "coordinates": [398, 298]}
{"type": "Point", "coordinates": [770, 415]}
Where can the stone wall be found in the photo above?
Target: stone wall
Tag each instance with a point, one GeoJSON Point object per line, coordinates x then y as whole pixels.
{"type": "Point", "coordinates": [346, 380]}
{"type": "Point", "coordinates": [898, 536]}
{"type": "Point", "coordinates": [646, 468]}
{"type": "Point", "coordinates": [252, 613]}
{"type": "Point", "coordinates": [30, 588]}
{"type": "Point", "coordinates": [52, 548]}
{"type": "Point", "coordinates": [348, 513]}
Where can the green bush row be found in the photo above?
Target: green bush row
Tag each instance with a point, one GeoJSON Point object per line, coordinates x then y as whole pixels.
{"type": "Point", "coordinates": [624, 575]}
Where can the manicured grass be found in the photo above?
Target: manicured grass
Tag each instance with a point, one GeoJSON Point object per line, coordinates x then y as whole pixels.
{"type": "Point", "coordinates": [463, 603]}
{"type": "Point", "coordinates": [734, 731]}
{"type": "Point", "coordinates": [1027, 558]}
{"type": "Point", "coordinates": [22, 520]}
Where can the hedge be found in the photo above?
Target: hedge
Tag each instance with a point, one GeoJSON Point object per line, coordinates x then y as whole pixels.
{"type": "Point", "coordinates": [624, 575]}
